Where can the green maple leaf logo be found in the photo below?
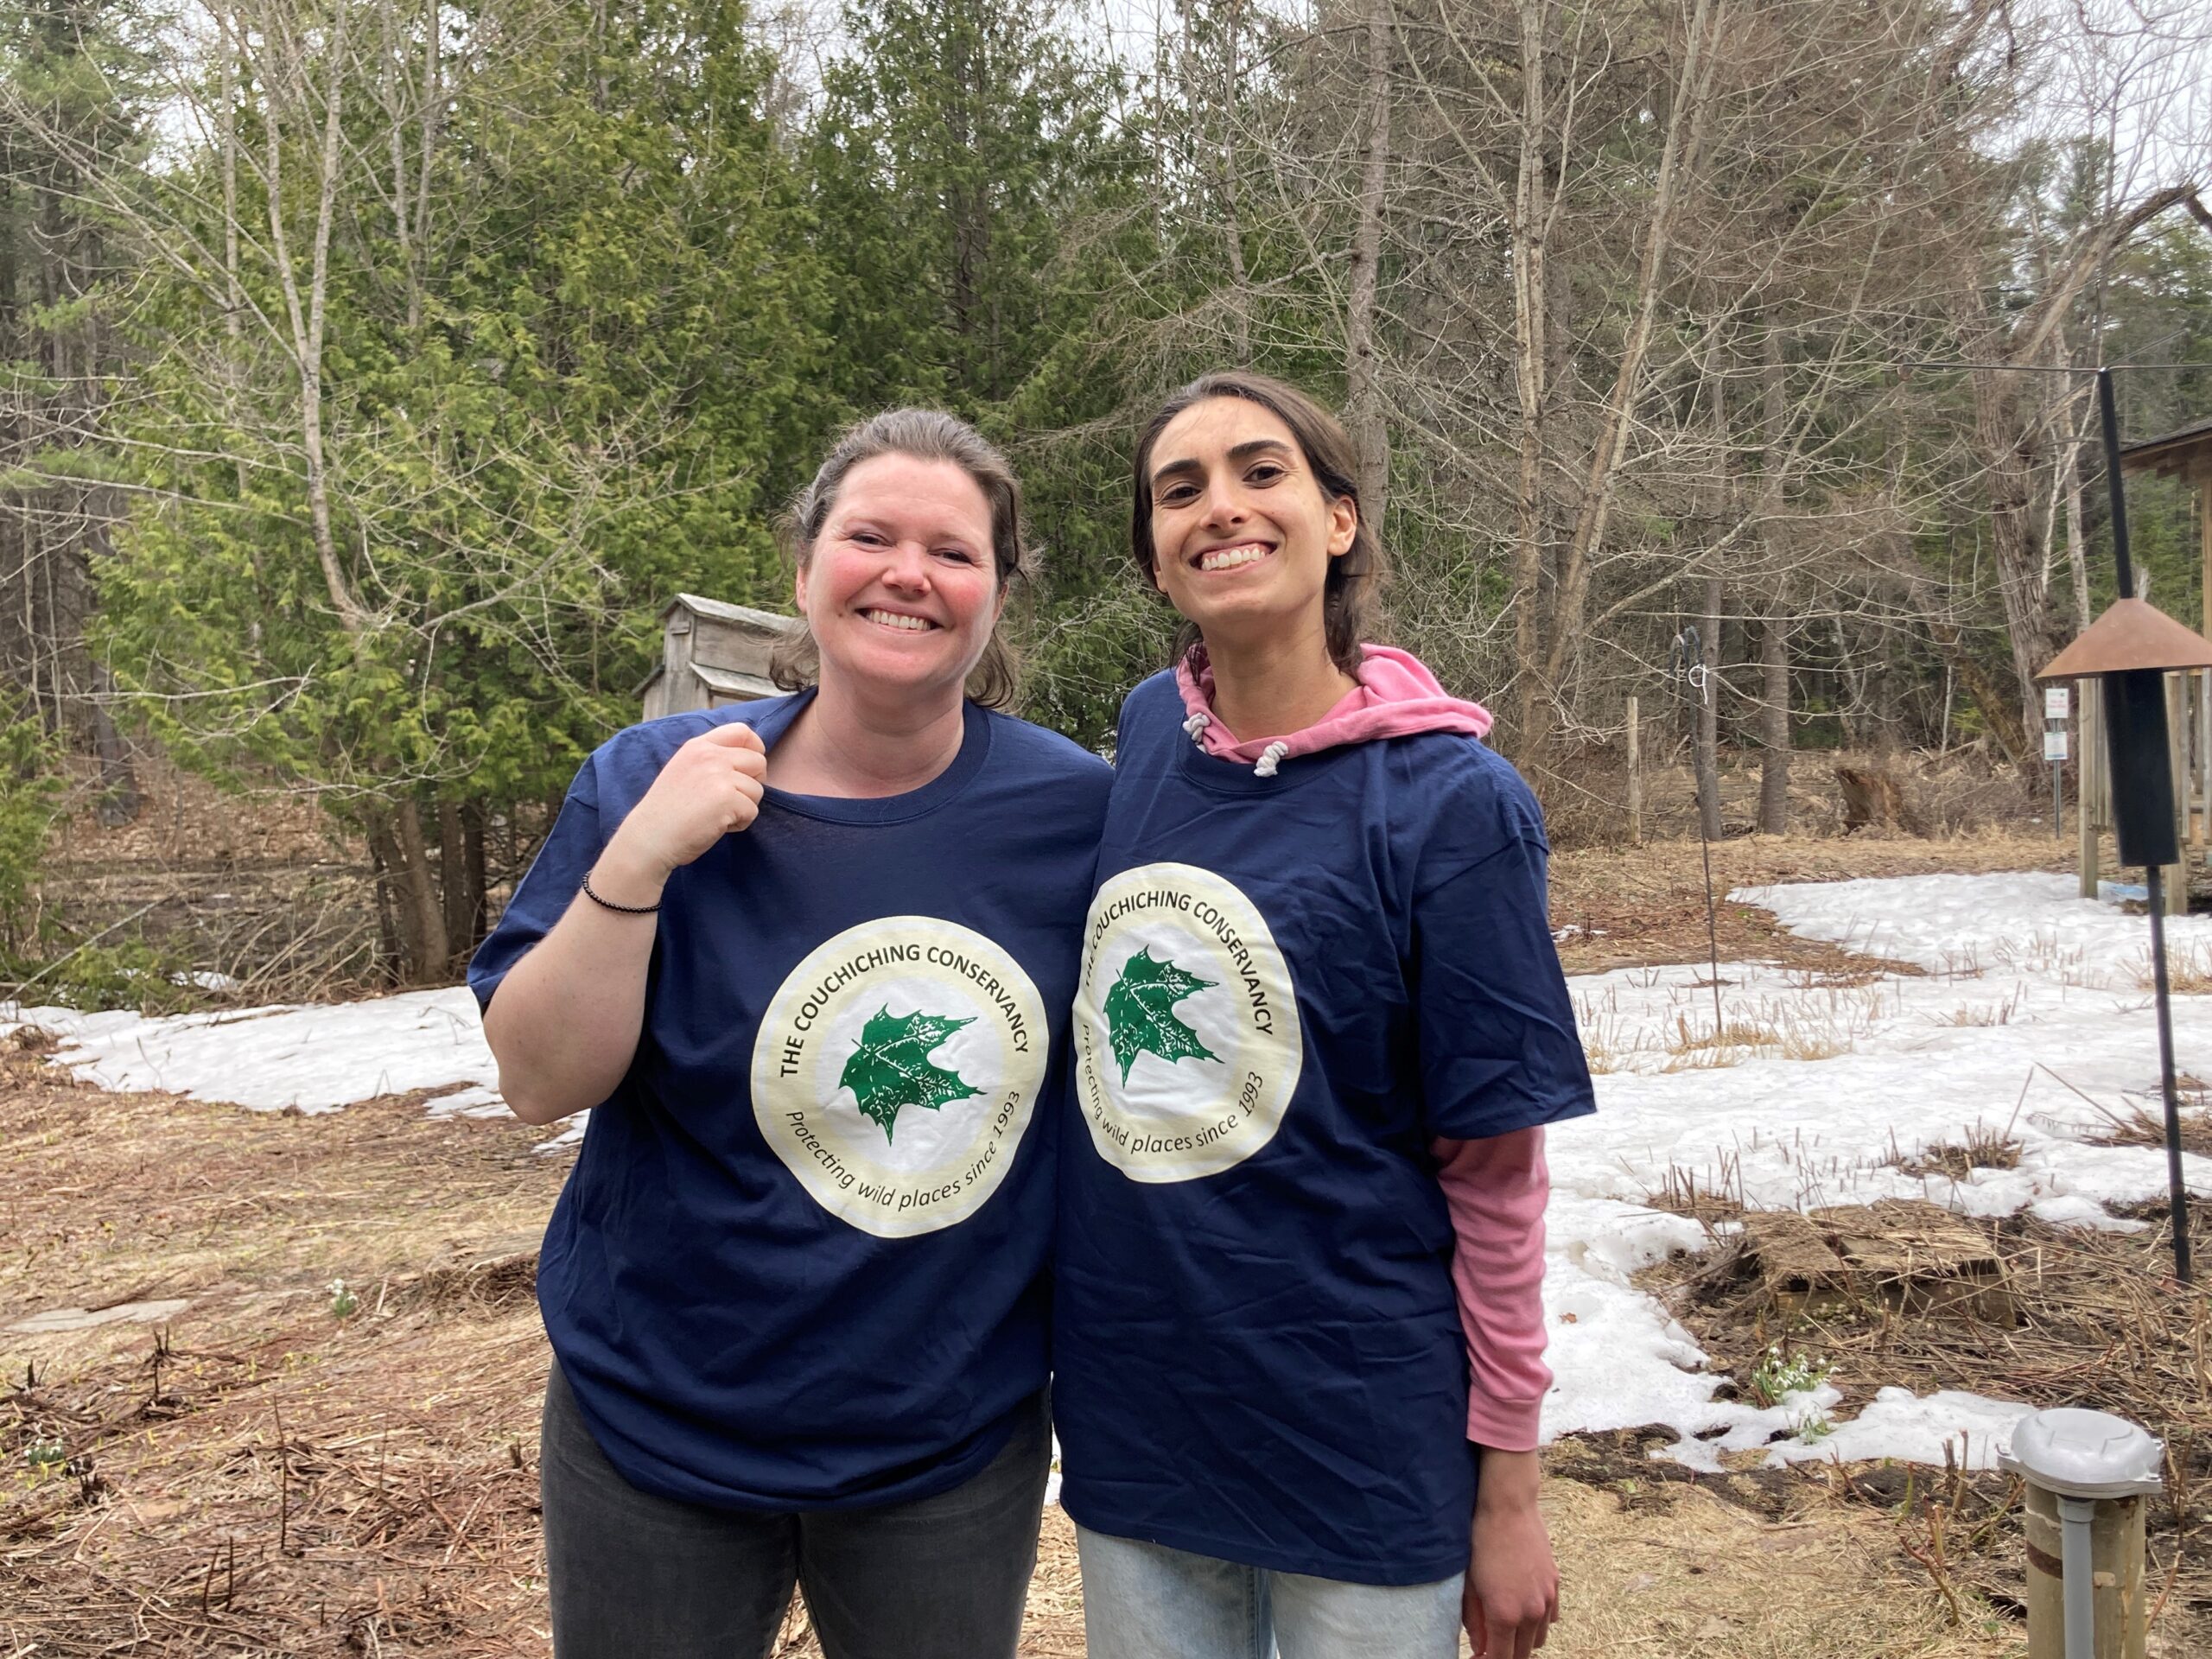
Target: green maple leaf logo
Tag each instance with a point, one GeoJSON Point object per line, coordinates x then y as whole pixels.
{"type": "Point", "coordinates": [1139, 1012]}
{"type": "Point", "coordinates": [890, 1068]}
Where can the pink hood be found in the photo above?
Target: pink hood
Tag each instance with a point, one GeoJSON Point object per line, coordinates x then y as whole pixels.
{"type": "Point", "coordinates": [1396, 696]}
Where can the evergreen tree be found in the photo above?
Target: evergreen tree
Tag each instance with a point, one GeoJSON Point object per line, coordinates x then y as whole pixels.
{"type": "Point", "coordinates": [519, 329]}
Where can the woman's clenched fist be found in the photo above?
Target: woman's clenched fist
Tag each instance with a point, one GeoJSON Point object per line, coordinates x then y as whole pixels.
{"type": "Point", "coordinates": [709, 788]}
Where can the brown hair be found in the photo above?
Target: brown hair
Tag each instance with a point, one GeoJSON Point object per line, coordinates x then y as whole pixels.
{"type": "Point", "coordinates": [1350, 594]}
{"type": "Point", "coordinates": [921, 435]}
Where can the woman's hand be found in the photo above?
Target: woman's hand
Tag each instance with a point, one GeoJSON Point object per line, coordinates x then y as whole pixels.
{"type": "Point", "coordinates": [709, 788]}
{"type": "Point", "coordinates": [1512, 1593]}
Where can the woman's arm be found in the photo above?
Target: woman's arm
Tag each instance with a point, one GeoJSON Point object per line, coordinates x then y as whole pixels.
{"type": "Point", "coordinates": [1512, 1593]}
{"type": "Point", "coordinates": [563, 1024]}
{"type": "Point", "coordinates": [1496, 1189]}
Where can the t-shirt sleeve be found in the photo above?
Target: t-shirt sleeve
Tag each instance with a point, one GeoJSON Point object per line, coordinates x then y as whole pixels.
{"type": "Point", "coordinates": [542, 896]}
{"type": "Point", "coordinates": [1499, 1050]}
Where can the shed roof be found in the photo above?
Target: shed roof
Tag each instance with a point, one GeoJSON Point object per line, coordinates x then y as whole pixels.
{"type": "Point", "coordinates": [723, 681]}
{"type": "Point", "coordinates": [722, 611]}
{"type": "Point", "coordinates": [730, 684]}
{"type": "Point", "coordinates": [2185, 450]}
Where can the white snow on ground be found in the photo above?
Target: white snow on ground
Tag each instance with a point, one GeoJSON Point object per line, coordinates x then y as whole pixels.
{"type": "Point", "coordinates": [317, 1058]}
{"type": "Point", "coordinates": [2033, 1016]}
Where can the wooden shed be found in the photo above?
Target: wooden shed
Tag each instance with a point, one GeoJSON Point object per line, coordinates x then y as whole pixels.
{"type": "Point", "coordinates": [2186, 453]}
{"type": "Point", "coordinates": [712, 653]}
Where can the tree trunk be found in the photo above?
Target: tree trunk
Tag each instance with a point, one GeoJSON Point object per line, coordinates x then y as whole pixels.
{"type": "Point", "coordinates": [392, 951]}
{"type": "Point", "coordinates": [2009, 444]}
{"type": "Point", "coordinates": [1774, 721]}
{"type": "Point", "coordinates": [453, 878]}
{"type": "Point", "coordinates": [1774, 627]}
{"type": "Point", "coordinates": [418, 897]}
{"type": "Point", "coordinates": [395, 833]}
{"type": "Point", "coordinates": [1708, 716]}
{"type": "Point", "coordinates": [2001, 711]}
{"type": "Point", "coordinates": [1531, 358]}
{"type": "Point", "coordinates": [1363, 389]}
{"type": "Point", "coordinates": [2077, 563]}
{"type": "Point", "coordinates": [1678, 160]}
{"type": "Point", "coordinates": [472, 843]}
{"type": "Point", "coordinates": [119, 784]}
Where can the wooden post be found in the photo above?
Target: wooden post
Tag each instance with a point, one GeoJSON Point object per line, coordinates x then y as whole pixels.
{"type": "Point", "coordinates": [2204, 538]}
{"type": "Point", "coordinates": [2176, 875]}
{"type": "Point", "coordinates": [2204, 701]}
{"type": "Point", "coordinates": [2204, 757]}
{"type": "Point", "coordinates": [2119, 1581]}
{"type": "Point", "coordinates": [1635, 778]}
{"type": "Point", "coordinates": [2088, 752]}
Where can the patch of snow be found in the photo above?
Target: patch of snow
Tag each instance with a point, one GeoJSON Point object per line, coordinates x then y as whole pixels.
{"type": "Point", "coordinates": [571, 1134]}
{"type": "Point", "coordinates": [312, 1058]}
{"type": "Point", "coordinates": [1915, 1429]}
{"type": "Point", "coordinates": [476, 1100]}
{"type": "Point", "coordinates": [2032, 1017]}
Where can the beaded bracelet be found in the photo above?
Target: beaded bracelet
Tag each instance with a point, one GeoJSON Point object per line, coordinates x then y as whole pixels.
{"type": "Point", "coordinates": [623, 910]}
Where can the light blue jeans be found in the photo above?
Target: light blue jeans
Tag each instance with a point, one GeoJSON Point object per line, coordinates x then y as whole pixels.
{"type": "Point", "coordinates": [1147, 1601]}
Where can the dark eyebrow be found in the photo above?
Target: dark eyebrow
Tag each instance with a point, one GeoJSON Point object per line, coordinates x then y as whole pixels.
{"type": "Point", "coordinates": [1244, 451]}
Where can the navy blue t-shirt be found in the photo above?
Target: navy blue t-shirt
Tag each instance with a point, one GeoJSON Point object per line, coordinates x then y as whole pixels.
{"type": "Point", "coordinates": [799, 1263]}
{"type": "Point", "coordinates": [1290, 985]}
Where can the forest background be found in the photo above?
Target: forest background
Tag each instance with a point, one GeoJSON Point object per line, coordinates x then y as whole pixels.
{"type": "Point", "coordinates": [372, 372]}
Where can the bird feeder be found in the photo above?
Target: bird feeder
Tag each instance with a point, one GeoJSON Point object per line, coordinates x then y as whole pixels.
{"type": "Point", "coordinates": [2129, 651]}
{"type": "Point", "coordinates": [2088, 1474]}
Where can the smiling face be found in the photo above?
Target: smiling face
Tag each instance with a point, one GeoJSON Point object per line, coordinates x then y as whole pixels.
{"type": "Point", "coordinates": [901, 588]}
{"type": "Point", "coordinates": [1241, 531]}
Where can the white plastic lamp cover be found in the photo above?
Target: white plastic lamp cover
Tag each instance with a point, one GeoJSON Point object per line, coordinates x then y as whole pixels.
{"type": "Point", "coordinates": [2084, 1454]}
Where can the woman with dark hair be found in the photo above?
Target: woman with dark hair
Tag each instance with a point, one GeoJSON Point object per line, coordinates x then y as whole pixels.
{"type": "Point", "coordinates": [808, 960]}
{"type": "Point", "coordinates": [1319, 1027]}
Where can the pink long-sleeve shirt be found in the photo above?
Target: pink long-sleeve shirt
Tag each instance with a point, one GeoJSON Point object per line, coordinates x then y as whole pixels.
{"type": "Point", "coordinates": [1496, 1188]}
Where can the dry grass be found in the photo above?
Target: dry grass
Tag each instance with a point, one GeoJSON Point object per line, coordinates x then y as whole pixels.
{"type": "Point", "coordinates": [2141, 1126]}
{"type": "Point", "coordinates": [1982, 1148]}
{"type": "Point", "coordinates": [257, 1474]}
{"type": "Point", "coordinates": [1636, 906]}
{"type": "Point", "coordinates": [1671, 1568]}
{"type": "Point", "coordinates": [1771, 1027]}
{"type": "Point", "coordinates": [2100, 1322]}
{"type": "Point", "coordinates": [260, 1476]}
{"type": "Point", "coordinates": [2189, 970]}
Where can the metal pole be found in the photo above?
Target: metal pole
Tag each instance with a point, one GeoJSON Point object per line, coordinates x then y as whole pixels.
{"type": "Point", "coordinates": [2057, 811]}
{"type": "Point", "coordinates": [2075, 1516]}
{"type": "Point", "coordinates": [2177, 1193]}
{"type": "Point", "coordinates": [2153, 878]}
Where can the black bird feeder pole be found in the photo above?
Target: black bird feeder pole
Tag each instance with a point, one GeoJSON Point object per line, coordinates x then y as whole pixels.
{"type": "Point", "coordinates": [2136, 702]}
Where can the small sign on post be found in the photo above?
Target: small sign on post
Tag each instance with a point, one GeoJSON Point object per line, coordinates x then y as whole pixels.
{"type": "Point", "coordinates": [2055, 699]}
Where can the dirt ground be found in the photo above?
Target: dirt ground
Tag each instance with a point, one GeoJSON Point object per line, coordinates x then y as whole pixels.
{"type": "Point", "coordinates": [252, 1472]}
{"type": "Point", "coordinates": [254, 1462]}
{"type": "Point", "coordinates": [1631, 907]}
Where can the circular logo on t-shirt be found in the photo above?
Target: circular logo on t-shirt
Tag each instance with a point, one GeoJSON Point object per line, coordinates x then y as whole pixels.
{"type": "Point", "coordinates": [896, 1071]}
{"type": "Point", "coordinates": [1186, 1039]}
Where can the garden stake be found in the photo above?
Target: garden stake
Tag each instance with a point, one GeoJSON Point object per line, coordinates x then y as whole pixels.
{"type": "Point", "coordinates": [1689, 667]}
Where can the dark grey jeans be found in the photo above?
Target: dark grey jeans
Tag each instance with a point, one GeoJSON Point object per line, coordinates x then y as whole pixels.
{"type": "Point", "coordinates": [635, 1576]}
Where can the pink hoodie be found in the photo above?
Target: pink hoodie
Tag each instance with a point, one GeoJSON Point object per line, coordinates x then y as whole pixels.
{"type": "Point", "coordinates": [1494, 1188]}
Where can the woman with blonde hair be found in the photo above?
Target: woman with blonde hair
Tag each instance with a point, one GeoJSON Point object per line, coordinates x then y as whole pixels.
{"type": "Point", "coordinates": [807, 961]}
